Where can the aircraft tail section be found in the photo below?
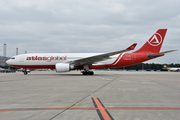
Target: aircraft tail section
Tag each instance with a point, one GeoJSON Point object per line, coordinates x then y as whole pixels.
{"type": "Point", "coordinates": [154, 44]}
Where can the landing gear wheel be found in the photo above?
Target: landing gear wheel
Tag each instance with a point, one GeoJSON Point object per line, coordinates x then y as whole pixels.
{"type": "Point", "coordinates": [25, 72]}
{"type": "Point", "coordinates": [91, 73]}
{"type": "Point", "coordinates": [88, 73]}
{"type": "Point", "coordinates": [85, 73]}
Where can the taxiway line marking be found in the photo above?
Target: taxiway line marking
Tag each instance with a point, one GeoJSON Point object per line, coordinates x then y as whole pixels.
{"type": "Point", "coordinates": [29, 109]}
{"type": "Point", "coordinates": [101, 110]}
{"type": "Point", "coordinates": [123, 108]}
{"type": "Point", "coordinates": [62, 103]}
{"type": "Point", "coordinates": [136, 108]}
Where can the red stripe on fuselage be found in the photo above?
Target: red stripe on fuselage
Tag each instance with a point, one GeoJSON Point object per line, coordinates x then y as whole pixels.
{"type": "Point", "coordinates": [117, 59]}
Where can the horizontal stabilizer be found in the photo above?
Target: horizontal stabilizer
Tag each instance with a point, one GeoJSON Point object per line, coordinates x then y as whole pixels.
{"type": "Point", "coordinates": [158, 54]}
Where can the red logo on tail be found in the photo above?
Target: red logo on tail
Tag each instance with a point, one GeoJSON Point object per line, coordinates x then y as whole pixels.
{"type": "Point", "coordinates": [155, 40]}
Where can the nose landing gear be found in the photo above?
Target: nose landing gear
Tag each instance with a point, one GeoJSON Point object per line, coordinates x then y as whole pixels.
{"type": "Point", "coordinates": [26, 71]}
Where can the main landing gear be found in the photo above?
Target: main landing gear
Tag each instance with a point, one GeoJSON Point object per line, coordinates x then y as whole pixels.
{"type": "Point", "coordinates": [87, 72]}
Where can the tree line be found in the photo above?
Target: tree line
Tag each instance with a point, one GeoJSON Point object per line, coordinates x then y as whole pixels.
{"type": "Point", "coordinates": [149, 66]}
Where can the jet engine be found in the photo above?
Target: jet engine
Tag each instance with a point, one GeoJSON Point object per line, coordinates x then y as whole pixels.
{"type": "Point", "coordinates": [63, 67]}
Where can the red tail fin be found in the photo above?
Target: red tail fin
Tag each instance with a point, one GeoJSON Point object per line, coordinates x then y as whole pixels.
{"type": "Point", "coordinates": [154, 44]}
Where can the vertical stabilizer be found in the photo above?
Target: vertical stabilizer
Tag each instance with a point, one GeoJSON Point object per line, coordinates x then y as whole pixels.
{"type": "Point", "coordinates": [154, 44]}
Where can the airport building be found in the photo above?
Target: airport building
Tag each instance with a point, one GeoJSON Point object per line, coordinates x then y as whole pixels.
{"type": "Point", "coordinates": [3, 60]}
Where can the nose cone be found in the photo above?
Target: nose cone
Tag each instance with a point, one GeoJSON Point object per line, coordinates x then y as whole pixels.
{"type": "Point", "coordinates": [8, 62]}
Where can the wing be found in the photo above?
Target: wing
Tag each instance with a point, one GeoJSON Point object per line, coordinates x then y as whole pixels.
{"type": "Point", "coordinates": [101, 57]}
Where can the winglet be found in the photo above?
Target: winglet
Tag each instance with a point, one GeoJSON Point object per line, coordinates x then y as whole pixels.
{"type": "Point", "coordinates": [131, 47]}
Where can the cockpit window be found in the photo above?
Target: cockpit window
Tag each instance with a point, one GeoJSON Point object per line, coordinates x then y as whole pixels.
{"type": "Point", "coordinates": [13, 58]}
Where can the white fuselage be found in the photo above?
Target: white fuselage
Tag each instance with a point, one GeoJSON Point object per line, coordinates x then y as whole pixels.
{"type": "Point", "coordinates": [53, 58]}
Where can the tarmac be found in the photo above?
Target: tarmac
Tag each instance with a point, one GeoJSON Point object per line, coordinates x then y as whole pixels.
{"type": "Point", "coordinates": [108, 95]}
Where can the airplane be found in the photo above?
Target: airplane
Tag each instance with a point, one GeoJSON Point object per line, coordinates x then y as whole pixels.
{"type": "Point", "coordinates": [65, 62]}
{"type": "Point", "coordinates": [173, 69]}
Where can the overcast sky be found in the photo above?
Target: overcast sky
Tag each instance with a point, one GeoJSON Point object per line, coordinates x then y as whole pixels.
{"type": "Point", "coordinates": [88, 25]}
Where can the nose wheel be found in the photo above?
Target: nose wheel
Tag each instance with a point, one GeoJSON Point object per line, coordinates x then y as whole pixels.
{"type": "Point", "coordinates": [25, 72]}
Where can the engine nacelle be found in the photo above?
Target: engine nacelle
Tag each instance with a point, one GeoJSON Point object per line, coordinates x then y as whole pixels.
{"type": "Point", "coordinates": [63, 67]}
